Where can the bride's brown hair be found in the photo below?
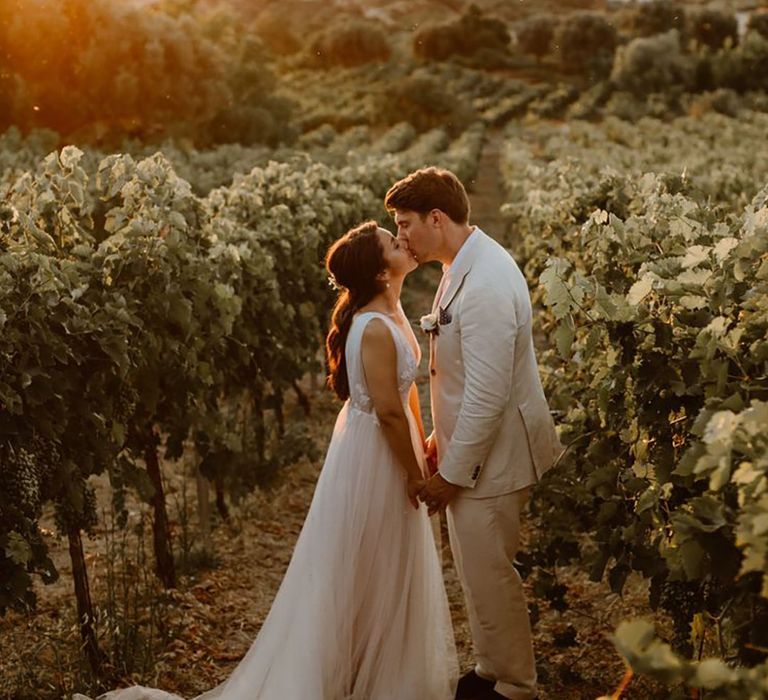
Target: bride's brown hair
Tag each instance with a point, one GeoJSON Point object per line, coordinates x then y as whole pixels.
{"type": "Point", "coordinates": [354, 261]}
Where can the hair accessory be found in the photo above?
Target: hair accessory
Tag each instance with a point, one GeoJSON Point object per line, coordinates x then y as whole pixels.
{"type": "Point", "coordinates": [333, 282]}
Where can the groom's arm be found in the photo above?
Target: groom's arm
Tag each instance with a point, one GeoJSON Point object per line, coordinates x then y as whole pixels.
{"type": "Point", "coordinates": [488, 327]}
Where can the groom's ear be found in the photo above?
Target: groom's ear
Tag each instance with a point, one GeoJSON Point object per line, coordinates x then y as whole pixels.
{"type": "Point", "coordinates": [435, 217]}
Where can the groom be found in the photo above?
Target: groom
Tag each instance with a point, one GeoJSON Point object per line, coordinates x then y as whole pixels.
{"type": "Point", "coordinates": [494, 436]}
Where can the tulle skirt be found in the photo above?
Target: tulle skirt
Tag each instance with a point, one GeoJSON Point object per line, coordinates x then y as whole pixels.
{"type": "Point", "coordinates": [362, 612]}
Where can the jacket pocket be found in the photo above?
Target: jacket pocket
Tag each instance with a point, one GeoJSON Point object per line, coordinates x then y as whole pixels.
{"type": "Point", "coordinates": [543, 442]}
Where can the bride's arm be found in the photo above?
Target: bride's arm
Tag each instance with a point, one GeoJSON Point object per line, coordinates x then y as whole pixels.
{"type": "Point", "coordinates": [413, 402]}
{"type": "Point", "coordinates": [379, 356]}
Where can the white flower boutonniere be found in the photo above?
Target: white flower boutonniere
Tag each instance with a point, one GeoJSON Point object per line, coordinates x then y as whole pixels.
{"type": "Point", "coordinates": [429, 324]}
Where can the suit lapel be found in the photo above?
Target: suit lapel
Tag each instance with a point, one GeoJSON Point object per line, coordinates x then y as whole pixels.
{"type": "Point", "coordinates": [458, 271]}
{"type": "Point", "coordinates": [445, 294]}
{"type": "Point", "coordinates": [454, 285]}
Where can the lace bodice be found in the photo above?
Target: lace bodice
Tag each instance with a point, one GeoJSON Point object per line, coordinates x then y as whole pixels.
{"type": "Point", "coordinates": [407, 362]}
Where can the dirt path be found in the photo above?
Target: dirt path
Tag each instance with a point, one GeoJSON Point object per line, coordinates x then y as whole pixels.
{"type": "Point", "coordinates": [486, 191]}
{"type": "Point", "coordinates": [215, 614]}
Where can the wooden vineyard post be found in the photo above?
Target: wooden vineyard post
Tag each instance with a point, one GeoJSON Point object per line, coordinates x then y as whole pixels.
{"type": "Point", "coordinates": [164, 565]}
{"type": "Point", "coordinates": [85, 615]}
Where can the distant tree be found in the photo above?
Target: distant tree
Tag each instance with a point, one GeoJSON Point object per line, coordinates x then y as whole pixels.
{"type": "Point", "coordinates": [652, 64]}
{"type": "Point", "coordinates": [534, 35]}
{"type": "Point", "coordinates": [424, 102]}
{"type": "Point", "coordinates": [472, 33]}
{"type": "Point", "coordinates": [253, 114]}
{"type": "Point", "coordinates": [483, 31]}
{"type": "Point", "coordinates": [744, 67]}
{"type": "Point", "coordinates": [655, 17]}
{"type": "Point", "coordinates": [97, 71]}
{"type": "Point", "coordinates": [758, 22]}
{"type": "Point", "coordinates": [435, 42]}
{"type": "Point", "coordinates": [352, 43]}
{"type": "Point", "coordinates": [712, 28]}
{"type": "Point", "coordinates": [276, 33]}
{"type": "Point", "coordinates": [723, 100]}
{"type": "Point", "coordinates": [586, 42]}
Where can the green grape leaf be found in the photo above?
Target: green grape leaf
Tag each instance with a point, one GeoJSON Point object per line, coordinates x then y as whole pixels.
{"type": "Point", "coordinates": [18, 549]}
{"type": "Point", "coordinates": [564, 338]}
{"type": "Point", "coordinates": [723, 247]}
{"type": "Point", "coordinates": [558, 296]}
{"type": "Point", "coordinates": [640, 289]}
{"type": "Point", "coordinates": [712, 673]}
{"type": "Point", "coordinates": [695, 255]}
{"type": "Point", "coordinates": [71, 156]}
{"type": "Point", "coordinates": [636, 641]}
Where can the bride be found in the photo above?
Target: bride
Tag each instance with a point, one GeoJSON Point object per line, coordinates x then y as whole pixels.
{"type": "Point", "coordinates": [361, 613]}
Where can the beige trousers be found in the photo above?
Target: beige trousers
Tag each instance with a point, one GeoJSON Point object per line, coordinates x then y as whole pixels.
{"type": "Point", "coordinates": [485, 537]}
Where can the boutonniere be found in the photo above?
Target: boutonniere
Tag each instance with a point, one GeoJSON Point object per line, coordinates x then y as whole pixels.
{"type": "Point", "coordinates": [429, 324]}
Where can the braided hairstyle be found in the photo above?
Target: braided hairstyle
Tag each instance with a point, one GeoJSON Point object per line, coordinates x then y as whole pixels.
{"type": "Point", "coordinates": [354, 261]}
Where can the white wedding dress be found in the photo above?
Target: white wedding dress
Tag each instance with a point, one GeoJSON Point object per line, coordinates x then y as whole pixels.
{"type": "Point", "coordinates": [362, 612]}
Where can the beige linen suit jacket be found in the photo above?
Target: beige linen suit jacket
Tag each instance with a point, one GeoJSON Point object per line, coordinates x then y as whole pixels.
{"type": "Point", "coordinates": [493, 427]}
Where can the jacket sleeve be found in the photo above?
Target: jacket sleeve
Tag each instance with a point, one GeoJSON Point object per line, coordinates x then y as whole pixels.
{"type": "Point", "coordinates": [488, 327]}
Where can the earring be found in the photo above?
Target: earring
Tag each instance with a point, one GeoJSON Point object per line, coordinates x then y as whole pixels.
{"type": "Point", "coordinates": [387, 285]}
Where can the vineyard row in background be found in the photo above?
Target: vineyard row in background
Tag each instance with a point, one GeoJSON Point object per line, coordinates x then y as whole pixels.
{"type": "Point", "coordinates": [655, 286]}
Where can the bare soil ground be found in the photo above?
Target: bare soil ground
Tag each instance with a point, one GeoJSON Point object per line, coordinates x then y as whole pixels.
{"type": "Point", "coordinates": [213, 616]}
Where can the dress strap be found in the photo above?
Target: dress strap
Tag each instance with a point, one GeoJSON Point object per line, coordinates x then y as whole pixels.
{"type": "Point", "coordinates": [354, 344]}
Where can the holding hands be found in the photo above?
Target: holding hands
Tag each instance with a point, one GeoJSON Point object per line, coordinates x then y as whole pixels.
{"type": "Point", "coordinates": [436, 492]}
{"type": "Point", "coordinates": [413, 488]}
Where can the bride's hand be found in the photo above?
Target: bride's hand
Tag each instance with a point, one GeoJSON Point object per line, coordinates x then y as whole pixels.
{"type": "Point", "coordinates": [414, 487]}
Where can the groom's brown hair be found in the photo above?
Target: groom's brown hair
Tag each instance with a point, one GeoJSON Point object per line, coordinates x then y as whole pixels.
{"type": "Point", "coordinates": [428, 189]}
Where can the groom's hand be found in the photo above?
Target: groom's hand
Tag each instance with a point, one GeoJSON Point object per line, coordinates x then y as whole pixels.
{"type": "Point", "coordinates": [438, 493]}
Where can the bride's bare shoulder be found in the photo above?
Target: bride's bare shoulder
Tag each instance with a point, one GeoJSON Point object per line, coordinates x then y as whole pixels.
{"type": "Point", "coordinates": [375, 329]}
{"type": "Point", "coordinates": [377, 334]}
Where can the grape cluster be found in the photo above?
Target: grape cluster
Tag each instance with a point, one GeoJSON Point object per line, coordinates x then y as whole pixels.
{"type": "Point", "coordinates": [8, 217]}
{"type": "Point", "coordinates": [83, 516]}
{"type": "Point", "coordinates": [21, 479]}
{"type": "Point", "coordinates": [125, 405]}
{"type": "Point", "coordinates": [28, 466]}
